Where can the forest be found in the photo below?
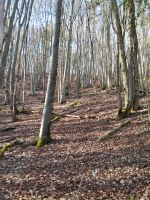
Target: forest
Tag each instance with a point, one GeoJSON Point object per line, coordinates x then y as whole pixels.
{"type": "Point", "coordinates": [74, 100]}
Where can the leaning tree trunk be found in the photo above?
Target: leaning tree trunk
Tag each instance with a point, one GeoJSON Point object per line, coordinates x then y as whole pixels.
{"type": "Point", "coordinates": [44, 136]}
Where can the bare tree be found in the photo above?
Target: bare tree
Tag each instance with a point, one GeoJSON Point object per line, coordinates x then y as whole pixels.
{"type": "Point", "coordinates": [7, 38]}
{"type": "Point", "coordinates": [120, 40]}
{"type": "Point", "coordinates": [65, 81]}
{"type": "Point", "coordinates": [1, 25]}
{"type": "Point", "coordinates": [44, 136]}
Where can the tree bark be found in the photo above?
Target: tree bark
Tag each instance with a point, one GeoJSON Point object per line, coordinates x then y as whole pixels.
{"type": "Point", "coordinates": [65, 81]}
{"type": "Point", "coordinates": [133, 62]}
{"type": "Point", "coordinates": [124, 71]}
{"type": "Point", "coordinates": [44, 136]}
{"type": "Point", "coordinates": [1, 25]}
{"type": "Point", "coordinates": [7, 43]}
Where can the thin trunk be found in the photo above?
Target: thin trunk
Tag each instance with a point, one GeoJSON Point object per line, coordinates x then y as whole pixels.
{"type": "Point", "coordinates": [1, 25]}
{"type": "Point", "coordinates": [44, 136]}
{"type": "Point", "coordinates": [65, 81]}
{"type": "Point", "coordinates": [7, 43]}
{"type": "Point", "coordinates": [118, 81]}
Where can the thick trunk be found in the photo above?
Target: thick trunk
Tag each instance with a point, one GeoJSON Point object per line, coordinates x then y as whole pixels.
{"type": "Point", "coordinates": [1, 25]}
{"type": "Point", "coordinates": [133, 62]}
{"type": "Point", "coordinates": [124, 71]}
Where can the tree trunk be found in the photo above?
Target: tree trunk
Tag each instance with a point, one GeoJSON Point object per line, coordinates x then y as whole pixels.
{"type": "Point", "coordinates": [65, 81]}
{"type": "Point", "coordinates": [133, 62]}
{"type": "Point", "coordinates": [44, 136]}
{"type": "Point", "coordinates": [7, 43]}
{"type": "Point", "coordinates": [1, 25]}
{"type": "Point", "coordinates": [120, 40]}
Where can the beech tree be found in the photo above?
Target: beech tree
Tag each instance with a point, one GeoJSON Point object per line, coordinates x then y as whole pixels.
{"type": "Point", "coordinates": [17, 16]}
{"type": "Point", "coordinates": [1, 25]}
{"type": "Point", "coordinates": [7, 42]}
{"type": "Point", "coordinates": [133, 60]}
{"type": "Point", "coordinates": [44, 136]}
{"type": "Point", "coordinates": [103, 45]}
{"type": "Point", "coordinates": [124, 70]}
{"type": "Point", "coordinates": [66, 74]}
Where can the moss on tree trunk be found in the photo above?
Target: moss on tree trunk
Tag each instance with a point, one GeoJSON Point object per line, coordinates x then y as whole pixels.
{"type": "Point", "coordinates": [41, 142]}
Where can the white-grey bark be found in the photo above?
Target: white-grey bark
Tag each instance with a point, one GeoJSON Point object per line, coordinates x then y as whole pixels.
{"type": "Point", "coordinates": [7, 42]}
{"type": "Point", "coordinates": [65, 81]}
{"type": "Point", "coordinates": [44, 136]}
{"type": "Point", "coordinates": [124, 71]}
{"type": "Point", "coordinates": [1, 24]}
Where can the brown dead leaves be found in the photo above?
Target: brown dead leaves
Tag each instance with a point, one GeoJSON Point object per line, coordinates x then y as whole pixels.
{"type": "Point", "coordinates": [76, 166]}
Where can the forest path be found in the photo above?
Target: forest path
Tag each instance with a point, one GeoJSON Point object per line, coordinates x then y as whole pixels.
{"type": "Point", "coordinates": [76, 165]}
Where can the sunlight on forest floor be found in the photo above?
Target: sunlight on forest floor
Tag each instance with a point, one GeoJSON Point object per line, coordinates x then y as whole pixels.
{"type": "Point", "coordinates": [75, 165]}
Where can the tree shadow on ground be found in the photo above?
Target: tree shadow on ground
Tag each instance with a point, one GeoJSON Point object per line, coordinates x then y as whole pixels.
{"type": "Point", "coordinates": [81, 173]}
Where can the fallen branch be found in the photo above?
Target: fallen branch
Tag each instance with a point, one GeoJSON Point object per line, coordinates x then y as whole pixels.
{"type": "Point", "coordinates": [8, 129]}
{"type": "Point", "coordinates": [72, 116]}
{"type": "Point", "coordinates": [74, 103]}
{"type": "Point", "coordinates": [8, 146]}
{"type": "Point", "coordinates": [92, 116]}
{"type": "Point", "coordinates": [57, 116]}
{"type": "Point", "coordinates": [113, 130]}
{"type": "Point", "coordinates": [7, 140]}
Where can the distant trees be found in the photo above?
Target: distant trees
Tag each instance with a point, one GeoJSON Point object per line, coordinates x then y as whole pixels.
{"type": "Point", "coordinates": [7, 38]}
{"type": "Point", "coordinates": [16, 21]}
{"type": "Point", "coordinates": [103, 44]}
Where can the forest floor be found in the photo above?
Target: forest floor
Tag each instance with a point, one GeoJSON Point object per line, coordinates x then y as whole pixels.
{"type": "Point", "coordinates": [76, 165]}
